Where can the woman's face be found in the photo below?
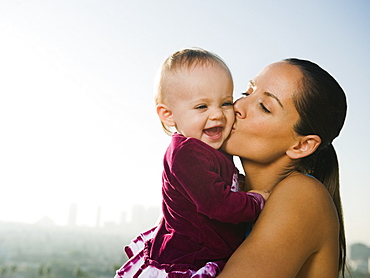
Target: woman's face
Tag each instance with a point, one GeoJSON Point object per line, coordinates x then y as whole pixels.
{"type": "Point", "coordinates": [265, 116]}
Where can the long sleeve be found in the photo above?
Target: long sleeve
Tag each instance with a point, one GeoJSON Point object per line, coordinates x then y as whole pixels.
{"type": "Point", "coordinates": [199, 173]}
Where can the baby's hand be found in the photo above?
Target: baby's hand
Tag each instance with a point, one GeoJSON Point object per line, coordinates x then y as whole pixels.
{"type": "Point", "coordinates": [265, 193]}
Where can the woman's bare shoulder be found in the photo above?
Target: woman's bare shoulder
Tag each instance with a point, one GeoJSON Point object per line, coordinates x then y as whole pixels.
{"type": "Point", "coordinates": [301, 188]}
{"type": "Point", "coordinates": [299, 212]}
{"type": "Point", "coordinates": [302, 202]}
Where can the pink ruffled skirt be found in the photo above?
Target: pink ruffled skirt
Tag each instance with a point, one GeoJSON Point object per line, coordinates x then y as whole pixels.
{"type": "Point", "coordinates": [138, 267]}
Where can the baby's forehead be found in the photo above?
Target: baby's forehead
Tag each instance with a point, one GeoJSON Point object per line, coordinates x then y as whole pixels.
{"type": "Point", "coordinates": [176, 81]}
{"type": "Point", "coordinates": [183, 75]}
{"type": "Point", "coordinates": [193, 65]}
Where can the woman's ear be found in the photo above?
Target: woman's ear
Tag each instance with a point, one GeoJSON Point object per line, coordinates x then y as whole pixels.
{"type": "Point", "coordinates": [165, 114]}
{"type": "Point", "coordinates": [304, 147]}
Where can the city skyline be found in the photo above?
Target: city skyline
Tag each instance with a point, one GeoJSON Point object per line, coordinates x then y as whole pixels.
{"type": "Point", "coordinates": [124, 218]}
{"type": "Point", "coordinates": [148, 215]}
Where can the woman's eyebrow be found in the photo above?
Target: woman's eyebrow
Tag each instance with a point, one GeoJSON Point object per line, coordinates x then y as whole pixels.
{"type": "Point", "coordinates": [251, 83]}
{"type": "Point", "coordinates": [275, 97]}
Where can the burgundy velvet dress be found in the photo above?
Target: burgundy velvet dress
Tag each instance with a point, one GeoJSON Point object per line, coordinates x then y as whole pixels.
{"type": "Point", "coordinates": [204, 215]}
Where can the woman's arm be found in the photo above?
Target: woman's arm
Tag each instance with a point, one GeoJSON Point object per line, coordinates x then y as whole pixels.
{"type": "Point", "coordinates": [298, 217]}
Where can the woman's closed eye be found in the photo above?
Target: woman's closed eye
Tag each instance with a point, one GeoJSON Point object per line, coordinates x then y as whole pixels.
{"type": "Point", "coordinates": [248, 92]}
{"type": "Point", "coordinates": [262, 106]}
{"type": "Point", "coordinates": [264, 109]}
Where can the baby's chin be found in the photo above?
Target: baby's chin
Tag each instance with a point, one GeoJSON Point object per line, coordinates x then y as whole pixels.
{"type": "Point", "coordinates": [216, 146]}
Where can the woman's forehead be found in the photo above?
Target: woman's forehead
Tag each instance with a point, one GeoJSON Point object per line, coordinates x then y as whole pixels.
{"type": "Point", "coordinates": [279, 78]}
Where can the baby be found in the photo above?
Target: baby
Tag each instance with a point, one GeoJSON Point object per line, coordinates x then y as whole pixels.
{"type": "Point", "coordinates": [204, 211]}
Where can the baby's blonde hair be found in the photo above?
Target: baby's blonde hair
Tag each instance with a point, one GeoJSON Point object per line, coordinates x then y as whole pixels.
{"type": "Point", "coordinates": [188, 58]}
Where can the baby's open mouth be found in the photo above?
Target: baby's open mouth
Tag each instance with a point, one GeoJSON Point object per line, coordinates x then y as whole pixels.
{"type": "Point", "coordinates": [214, 132]}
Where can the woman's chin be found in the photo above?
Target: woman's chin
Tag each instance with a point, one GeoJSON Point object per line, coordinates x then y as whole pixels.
{"type": "Point", "coordinates": [225, 146]}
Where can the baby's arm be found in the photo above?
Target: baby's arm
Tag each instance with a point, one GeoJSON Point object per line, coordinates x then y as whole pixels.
{"type": "Point", "coordinates": [199, 181]}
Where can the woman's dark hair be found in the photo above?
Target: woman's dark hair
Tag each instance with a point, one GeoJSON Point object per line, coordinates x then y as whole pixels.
{"type": "Point", "coordinates": [321, 104]}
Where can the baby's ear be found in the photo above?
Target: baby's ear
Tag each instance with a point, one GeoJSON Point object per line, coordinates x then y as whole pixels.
{"type": "Point", "coordinates": [165, 114]}
{"type": "Point", "coordinates": [304, 147]}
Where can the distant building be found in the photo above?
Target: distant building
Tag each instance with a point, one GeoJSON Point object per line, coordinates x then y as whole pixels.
{"type": "Point", "coordinates": [144, 218]}
{"type": "Point", "coordinates": [72, 217]}
{"type": "Point", "coordinates": [45, 222]}
{"type": "Point", "coordinates": [123, 219]}
{"type": "Point", "coordinates": [360, 257]}
{"type": "Point", "coordinates": [98, 217]}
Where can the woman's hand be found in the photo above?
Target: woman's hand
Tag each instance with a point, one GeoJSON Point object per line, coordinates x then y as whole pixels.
{"type": "Point", "coordinates": [264, 193]}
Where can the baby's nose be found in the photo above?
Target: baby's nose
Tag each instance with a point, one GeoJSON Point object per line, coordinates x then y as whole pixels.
{"type": "Point", "coordinates": [216, 114]}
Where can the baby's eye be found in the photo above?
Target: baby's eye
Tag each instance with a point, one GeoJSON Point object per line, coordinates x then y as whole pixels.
{"type": "Point", "coordinates": [228, 104]}
{"type": "Point", "coordinates": [245, 94]}
{"type": "Point", "coordinates": [203, 106]}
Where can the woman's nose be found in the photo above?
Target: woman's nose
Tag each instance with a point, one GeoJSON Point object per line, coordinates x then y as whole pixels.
{"type": "Point", "coordinates": [239, 107]}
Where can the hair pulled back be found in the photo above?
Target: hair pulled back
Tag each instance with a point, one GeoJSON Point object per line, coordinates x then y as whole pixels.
{"type": "Point", "coordinates": [321, 104]}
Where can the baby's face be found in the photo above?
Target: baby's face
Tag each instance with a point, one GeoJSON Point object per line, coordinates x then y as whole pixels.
{"type": "Point", "coordinates": [202, 103]}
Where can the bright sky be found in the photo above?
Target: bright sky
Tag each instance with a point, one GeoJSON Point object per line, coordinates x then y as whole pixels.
{"type": "Point", "coordinates": [77, 115]}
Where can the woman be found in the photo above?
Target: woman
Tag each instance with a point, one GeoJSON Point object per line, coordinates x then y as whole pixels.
{"type": "Point", "coordinates": [283, 134]}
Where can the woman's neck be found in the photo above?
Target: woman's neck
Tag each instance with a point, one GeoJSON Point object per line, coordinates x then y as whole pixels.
{"type": "Point", "coordinates": [265, 176]}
